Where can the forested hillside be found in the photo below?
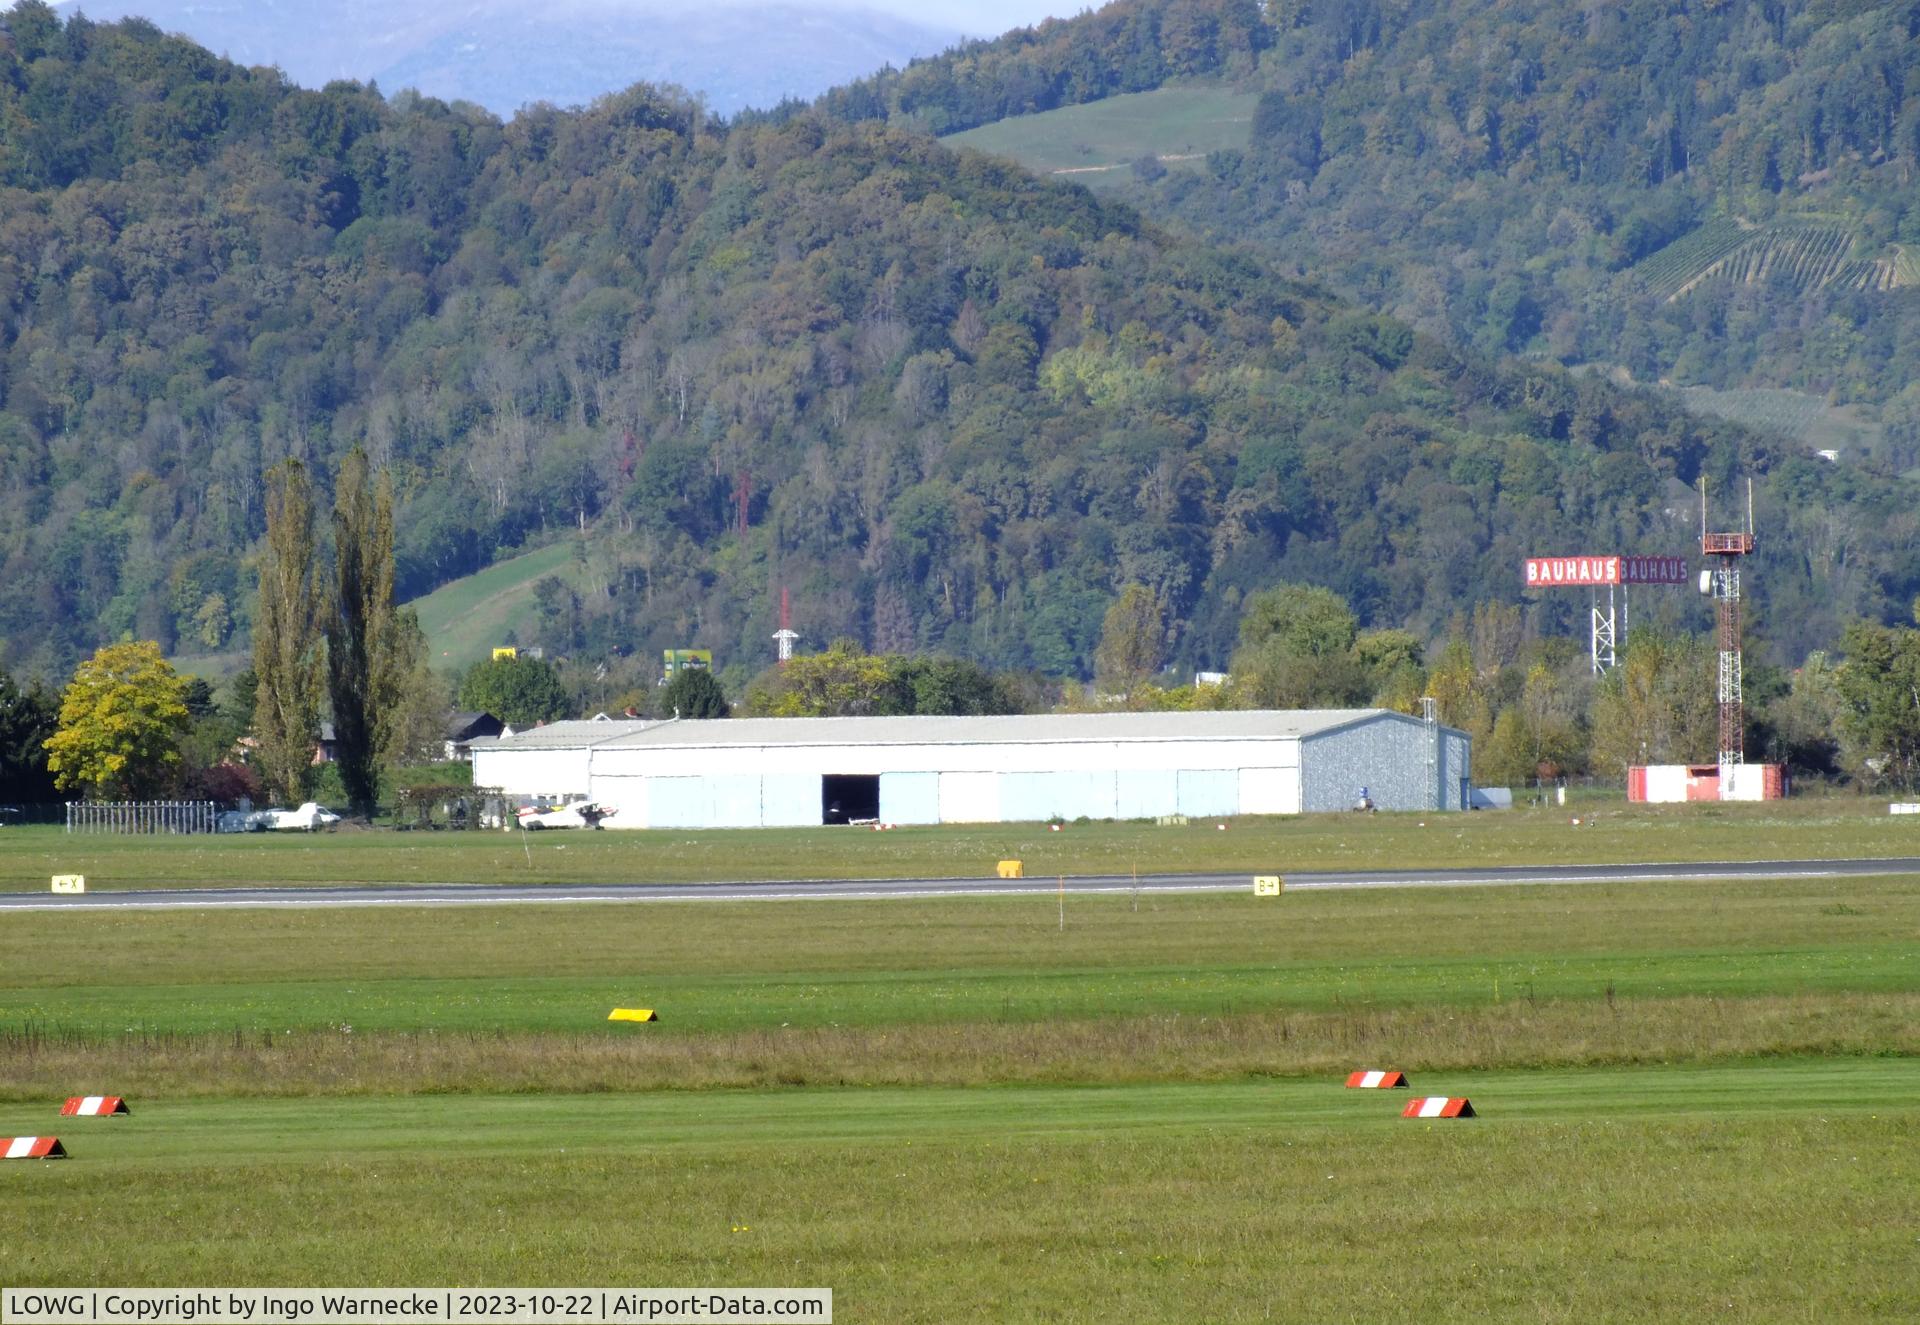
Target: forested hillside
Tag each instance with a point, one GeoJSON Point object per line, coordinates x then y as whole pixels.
{"type": "Point", "coordinates": [1719, 192]}
{"type": "Point", "coordinates": [946, 405]}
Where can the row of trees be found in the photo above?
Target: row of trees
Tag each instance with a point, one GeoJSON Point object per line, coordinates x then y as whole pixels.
{"type": "Point", "coordinates": [1531, 703]}
{"type": "Point", "coordinates": [341, 637]}
{"type": "Point", "coordinates": [129, 725]}
{"type": "Point", "coordinates": [327, 630]}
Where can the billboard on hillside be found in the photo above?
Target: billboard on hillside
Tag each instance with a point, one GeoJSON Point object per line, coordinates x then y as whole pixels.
{"type": "Point", "coordinates": [1574, 572]}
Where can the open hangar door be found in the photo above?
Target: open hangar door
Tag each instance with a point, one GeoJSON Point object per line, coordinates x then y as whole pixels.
{"type": "Point", "coordinates": [849, 797]}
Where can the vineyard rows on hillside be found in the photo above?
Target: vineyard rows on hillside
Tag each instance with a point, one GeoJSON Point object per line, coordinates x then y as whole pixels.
{"type": "Point", "coordinates": [1803, 257]}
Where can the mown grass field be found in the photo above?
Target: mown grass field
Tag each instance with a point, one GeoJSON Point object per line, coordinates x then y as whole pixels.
{"type": "Point", "coordinates": [1698, 1101]}
{"type": "Point", "coordinates": [1609, 831]}
{"type": "Point", "coordinates": [469, 617]}
{"type": "Point", "coordinates": [1094, 144]}
{"type": "Point", "coordinates": [1753, 1192]}
{"type": "Point", "coordinates": [735, 967]}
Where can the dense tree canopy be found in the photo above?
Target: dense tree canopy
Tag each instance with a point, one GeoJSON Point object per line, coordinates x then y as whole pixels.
{"type": "Point", "coordinates": [846, 681]}
{"type": "Point", "coordinates": [1879, 708]}
{"type": "Point", "coordinates": [29, 714]}
{"type": "Point", "coordinates": [694, 693]}
{"type": "Point", "coordinates": [519, 691]}
{"type": "Point", "coordinates": [121, 718]}
{"type": "Point", "coordinates": [946, 406]}
{"type": "Point", "coordinates": [1713, 193]}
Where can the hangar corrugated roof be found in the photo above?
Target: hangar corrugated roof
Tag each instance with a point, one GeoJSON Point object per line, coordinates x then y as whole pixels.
{"type": "Point", "coordinates": [1013, 729]}
{"type": "Point", "coordinates": [572, 735]}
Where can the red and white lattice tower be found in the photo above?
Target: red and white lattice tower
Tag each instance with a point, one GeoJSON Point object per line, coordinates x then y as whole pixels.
{"type": "Point", "coordinates": [785, 637]}
{"type": "Point", "coordinates": [1722, 578]}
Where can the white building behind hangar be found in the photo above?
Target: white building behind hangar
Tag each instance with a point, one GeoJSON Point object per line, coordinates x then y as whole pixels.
{"type": "Point", "coordinates": [792, 772]}
{"type": "Point", "coordinates": [550, 760]}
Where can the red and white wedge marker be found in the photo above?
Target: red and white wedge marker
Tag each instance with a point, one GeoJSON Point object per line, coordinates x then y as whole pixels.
{"type": "Point", "coordinates": [34, 1147]}
{"type": "Point", "coordinates": [93, 1106]}
{"type": "Point", "coordinates": [1438, 1106]}
{"type": "Point", "coordinates": [1377, 1081]}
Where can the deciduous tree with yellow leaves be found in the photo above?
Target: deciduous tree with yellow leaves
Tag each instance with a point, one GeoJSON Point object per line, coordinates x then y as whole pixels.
{"type": "Point", "coordinates": [120, 723]}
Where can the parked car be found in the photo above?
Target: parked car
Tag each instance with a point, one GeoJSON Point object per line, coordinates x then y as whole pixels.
{"type": "Point", "coordinates": [574, 814]}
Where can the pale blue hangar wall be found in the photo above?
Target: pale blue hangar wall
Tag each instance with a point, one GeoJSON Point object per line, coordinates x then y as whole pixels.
{"type": "Point", "coordinates": [1402, 763]}
{"type": "Point", "coordinates": [789, 800]}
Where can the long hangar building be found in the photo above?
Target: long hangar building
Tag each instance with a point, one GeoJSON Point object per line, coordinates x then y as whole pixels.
{"type": "Point", "coordinates": [792, 772]}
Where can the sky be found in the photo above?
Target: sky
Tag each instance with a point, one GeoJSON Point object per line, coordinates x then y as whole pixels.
{"type": "Point", "coordinates": [983, 17]}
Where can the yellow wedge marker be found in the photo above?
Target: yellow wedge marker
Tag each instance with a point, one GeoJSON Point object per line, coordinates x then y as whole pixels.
{"type": "Point", "coordinates": [1267, 885]}
{"type": "Point", "coordinates": [69, 883]}
{"type": "Point", "coordinates": [632, 1014]}
{"type": "Point", "coordinates": [1012, 869]}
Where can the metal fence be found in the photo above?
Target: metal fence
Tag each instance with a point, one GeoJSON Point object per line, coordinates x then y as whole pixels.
{"type": "Point", "coordinates": [141, 816]}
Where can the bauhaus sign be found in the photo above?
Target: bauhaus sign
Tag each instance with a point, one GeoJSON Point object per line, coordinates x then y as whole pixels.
{"type": "Point", "coordinates": [1555, 572]}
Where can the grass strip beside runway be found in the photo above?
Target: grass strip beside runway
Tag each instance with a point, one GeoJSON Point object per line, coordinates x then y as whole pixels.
{"type": "Point", "coordinates": [1608, 832]}
{"type": "Point", "coordinates": [839, 965]}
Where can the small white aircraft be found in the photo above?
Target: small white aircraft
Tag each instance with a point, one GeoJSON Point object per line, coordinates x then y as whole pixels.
{"type": "Point", "coordinates": [574, 814]}
{"type": "Point", "coordinates": [303, 820]}
{"type": "Point", "coordinates": [308, 818]}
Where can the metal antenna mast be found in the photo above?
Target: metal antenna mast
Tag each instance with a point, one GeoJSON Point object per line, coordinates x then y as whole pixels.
{"type": "Point", "coordinates": [1723, 553]}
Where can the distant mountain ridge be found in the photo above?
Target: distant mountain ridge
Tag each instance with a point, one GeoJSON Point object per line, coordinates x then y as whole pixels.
{"type": "Point", "coordinates": [502, 55]}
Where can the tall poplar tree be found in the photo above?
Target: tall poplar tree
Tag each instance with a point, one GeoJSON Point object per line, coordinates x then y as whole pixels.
{"type": "Point", "coordinates": [286, 638]}
{"type": "Point", "coordinates": [370, 647]}
{"type": "Point", "coordinates": [1132, 640]}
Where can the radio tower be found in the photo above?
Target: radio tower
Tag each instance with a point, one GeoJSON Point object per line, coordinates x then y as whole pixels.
{"type": "Point", "coordinates": [1723, 553]}
{"type": "Point", "coordinates": [785, 637]}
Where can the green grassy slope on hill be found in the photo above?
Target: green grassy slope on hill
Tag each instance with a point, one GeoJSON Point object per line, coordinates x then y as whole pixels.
{"type": "Point", "coordinates": [1805, 418]}
{"type": "Point", "coordinates": [466, 619]}
{"type": "Point", "coordinates": [1096, 143]}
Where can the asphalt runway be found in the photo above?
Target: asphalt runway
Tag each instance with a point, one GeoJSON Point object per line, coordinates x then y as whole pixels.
{"type": "Point", "coordinates": [569, 893]}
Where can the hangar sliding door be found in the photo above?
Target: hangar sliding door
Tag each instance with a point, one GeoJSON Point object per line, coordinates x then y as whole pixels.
{"type": "Point", "coordinates": [724, 801]}
{"type": "Point", "coordinates": [1070, 794]}
{"type": "Point", "coordinates": [969, 798]}
{"type": "Point", "coordinates": [1208, 791]}
{"type": "Point", "coordinates": [1146, 793]}
{"type": "Point", "coordinates": [790, 800]}
{"type": "Point", "coordinates": [628, 798]}
{"type": "Point", "coordinates": [909, 798]}
{"type": "Point", "coordinates": [1270, 791]}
